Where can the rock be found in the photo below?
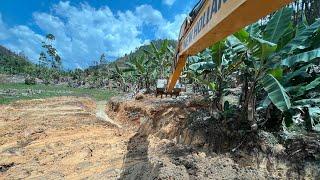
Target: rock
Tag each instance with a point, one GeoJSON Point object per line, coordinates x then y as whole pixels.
{"type": "Point", "coordinates": [30, 81]}
{"type": "Point", "coordinates": [142, 91]}
{"type": "Point", "coordinates": [254, 127]}
{"type": "Point", "coordinates": [263, 148]}
{"type": "Point", "coordinates": [139, 96]}
{"type": "Point", "coordinates": [6, 167]}
{"type": "Point", "coordinates": [173, 172]}
{"type": "Point", "coordinates": [202, 155]}
{"type": "Point", "coordinates": [278, 149]}
{"type": "Point", "coordinates": [39, 81]}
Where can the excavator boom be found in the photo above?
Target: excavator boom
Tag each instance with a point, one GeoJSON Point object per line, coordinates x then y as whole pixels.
{"type": "Point", "coordinates": [212, 21]}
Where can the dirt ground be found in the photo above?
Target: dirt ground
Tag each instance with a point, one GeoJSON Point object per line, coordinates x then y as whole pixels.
{"type": "Point", "coordinates": [70, 138]}
{"type": "Point", "coordinates": [59, 138]}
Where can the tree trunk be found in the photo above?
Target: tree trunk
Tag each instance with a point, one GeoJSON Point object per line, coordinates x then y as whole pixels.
{"type": "Point", "coordinates": [248, 103]}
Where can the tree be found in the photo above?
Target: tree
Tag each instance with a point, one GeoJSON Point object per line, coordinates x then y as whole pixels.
{"type": "Point", "coordinates": [50, 58]}
{"type": "Point", "coordinates": [149, 64]}
{"type": "Point", "coordinates": [103, 59]}
{"type": "Point", "coordinates": [308, 9]}
{"type": "Point", "coordinates": [161, 57]}
{"type": "Point", "coordinates": [119, 75]}
{"type": "Point", "coordinates": [50, 54]}
{"type": "Point", "coordinates": [142, 69]}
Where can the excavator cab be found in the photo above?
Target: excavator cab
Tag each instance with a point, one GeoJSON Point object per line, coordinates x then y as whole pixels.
{"type": "Point", "coordinates": [161, 87]}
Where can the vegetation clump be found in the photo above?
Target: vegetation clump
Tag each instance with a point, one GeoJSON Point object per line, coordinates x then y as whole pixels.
{"type": "Point", "coordinates": [274, 64]}
{"type": "Point", "coordinates": [30, 81]}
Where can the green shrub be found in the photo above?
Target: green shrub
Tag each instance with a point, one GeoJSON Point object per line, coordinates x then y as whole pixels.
{"type": "Point", "coordinates": [30, 81]}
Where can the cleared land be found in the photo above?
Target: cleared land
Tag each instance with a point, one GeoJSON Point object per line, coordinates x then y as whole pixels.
{"type": "Point", "coordinates": [58, 138]}
{"type": "Point", "coordinates": [71, 138]}
{"type": "Point", "coordinates": [10, 92]}
{"type": "Point", "coordinates": [63, 137]}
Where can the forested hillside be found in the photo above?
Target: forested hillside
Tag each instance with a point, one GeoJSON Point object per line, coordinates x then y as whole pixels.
{"type": "Point", "coordinates": [12, 63]}
{"type": "Point", "coordinates": [140, 51]}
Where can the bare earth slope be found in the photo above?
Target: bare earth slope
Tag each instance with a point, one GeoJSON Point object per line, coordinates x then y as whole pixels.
{"type": "Point", "coordinates": [58, 138]}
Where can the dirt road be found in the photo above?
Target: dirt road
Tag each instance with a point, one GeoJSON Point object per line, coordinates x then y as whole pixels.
{"type": "Point", "coordinates": [59, 138]}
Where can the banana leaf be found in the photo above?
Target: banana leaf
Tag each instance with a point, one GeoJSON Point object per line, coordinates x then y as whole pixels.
{"type": "Point", "coordinates": [262, 48]}
{"type": "Point", "coordinates": [278, 24]}
{"type": "Point", "coordinates": [193, 59]}
{"type": "Point", "coordinates": [302, 89]}
{"type": "Point", "coordinates": [243, 36]}
{"type": "Point", "coordinates": [276, 93]}
{"type": "Point", "coordinates": [303, 39]}
{"type": "Point", "coordinates": [303, 57]}
{"type": "Point", "coordinates": [202, 66]}
{"type": "Point", "coordinates": [277, 73]}
{"type": "Point", "coordinates": [316, 41]}
{"type": "Point", "coordinates": [314, 121]}
{"type": "Point", "coordinates": [254, 29]}
{"type": "Point", "coordinates": [286, 37]}
{"type": "Point", "coordinates": [307, 102]}
{"type": "Point", "coordinates": [299, 72]}
{"type": "Point", "coordinates": [315, 83]}
{"type": "Point", "coordinates": [235, 44]}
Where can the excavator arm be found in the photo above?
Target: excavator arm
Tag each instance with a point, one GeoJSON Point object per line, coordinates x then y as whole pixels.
{"type": "Point", "coordinates": [213, 20]}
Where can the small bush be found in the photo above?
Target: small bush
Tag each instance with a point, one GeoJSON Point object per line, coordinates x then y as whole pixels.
{"type": "Point", "coordinates": [30, 81]}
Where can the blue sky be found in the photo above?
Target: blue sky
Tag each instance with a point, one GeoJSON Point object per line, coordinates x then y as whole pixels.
{"type": "Point", "coordinates": [86, 29]}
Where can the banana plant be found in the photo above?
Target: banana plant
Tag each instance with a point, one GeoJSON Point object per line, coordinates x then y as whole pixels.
{"type": "Point", "coordinates": [119, 75]}
{"type": "Point", "coordinates": [142, 69]}
{"type": "Point", "coordinates": [272, 67]}
{"type": "Point", "coordinates": [161, 58]}
{"type": "Point", "coordinates": [269, 60]}
{"type": "Point", "coordinates": [214, 66]}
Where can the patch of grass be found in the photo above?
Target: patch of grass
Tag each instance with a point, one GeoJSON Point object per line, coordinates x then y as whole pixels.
{"type": "Point", "coordinates": [10, 92]}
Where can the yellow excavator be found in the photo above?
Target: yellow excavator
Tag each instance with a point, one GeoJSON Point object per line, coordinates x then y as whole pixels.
{"type": "Point", "coordinates": [212, 20]}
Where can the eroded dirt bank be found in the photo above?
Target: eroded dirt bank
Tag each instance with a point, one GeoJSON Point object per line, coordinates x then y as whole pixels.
{"type": "Point", "coordinates": [67, 138]}
{"type": "Point", "coordinates": [177, 139]}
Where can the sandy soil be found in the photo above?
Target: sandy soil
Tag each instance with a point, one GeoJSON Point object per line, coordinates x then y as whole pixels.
{"type": "Point", "coordinates": [59, 138]}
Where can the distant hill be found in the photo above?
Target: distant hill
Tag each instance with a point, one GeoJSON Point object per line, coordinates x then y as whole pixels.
{"type": "Point", "coordinates": [11, 62]}
{"type": "Point", "coordinates": [140, 51]}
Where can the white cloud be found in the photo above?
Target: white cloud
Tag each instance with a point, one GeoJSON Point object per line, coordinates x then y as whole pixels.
{"type": "Point", "coordinates": [20, 36]}
{"type": "Point", "coordinates": [168, 2]}
{"type": "Point", "coordinates": [83, 33]}
{"type": "Point", "coordinates": [149, 15]}
{"type": "Point", "coordinates": [3, 30]}
{"type": "Point", "coordinates": [171, 29]}
{"type": "Point", "coordinates": [165, 29]}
